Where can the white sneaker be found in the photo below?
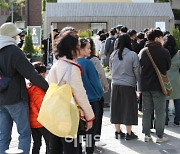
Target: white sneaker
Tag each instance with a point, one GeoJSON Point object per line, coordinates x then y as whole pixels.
{"type": "Point", "coordinates": [100, 144]}
{"type": "Point", "coordinates": [161, 140]}
{"type": "Point", "coordinates": [147, 138]}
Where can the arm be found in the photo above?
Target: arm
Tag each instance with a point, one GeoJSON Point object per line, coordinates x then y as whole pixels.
{"type": "Point", "coordinates": [80, 93]}
{"type": "Point", "coordinates": [36, 97]}
{"type": "Point", "coordinates": [26, 69]}
{"type": "Point", "coordinates": [101, 74]}
{"type": "Point", "coordinates": [136, 67]}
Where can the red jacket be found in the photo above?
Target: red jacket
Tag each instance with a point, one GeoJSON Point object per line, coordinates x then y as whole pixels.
{"type": "Point", "coordinates": [36, 96]}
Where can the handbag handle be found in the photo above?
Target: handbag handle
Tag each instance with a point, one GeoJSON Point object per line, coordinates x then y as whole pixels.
{"type": "Point", "coordinates": [68, 69]}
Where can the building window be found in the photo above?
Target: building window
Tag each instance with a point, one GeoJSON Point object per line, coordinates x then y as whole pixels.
{"type": "Point", "coordinates": [95, 27]}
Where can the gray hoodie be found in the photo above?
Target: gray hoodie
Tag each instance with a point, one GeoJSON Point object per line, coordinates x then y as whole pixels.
{"type": "Point", "coordinates": [127, 71]}
{"type": "Point", "coordinates": [6, 40]}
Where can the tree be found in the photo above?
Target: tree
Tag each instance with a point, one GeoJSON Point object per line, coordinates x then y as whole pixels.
{"type": "Point", "coordinates": [44, 3]}
{"type": "Point", "coordinates": [28, 45]}
{"type": "Point", "coordinates": [176, 34]}
{"type": "Point", "coordinates": [16, 17]}
{"type": "Point", "coordinates": [17, 4]}
{"type": "Point", "coordinates": [4, 4]}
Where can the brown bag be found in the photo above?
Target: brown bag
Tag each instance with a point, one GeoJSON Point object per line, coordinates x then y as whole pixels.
{"type": "Point", "coordinates": [163, 79]}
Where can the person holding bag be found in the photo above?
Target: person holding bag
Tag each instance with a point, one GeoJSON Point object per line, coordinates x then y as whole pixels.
{"type": "Point", "coordinates": [152, 94]}
{"type": "Point", "coordinates": [66, 53]}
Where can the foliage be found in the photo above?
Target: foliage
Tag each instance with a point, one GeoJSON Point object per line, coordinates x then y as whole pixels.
{"type": "Point", "coordinates": [176, 13]}
{"type": "Point", "coordinates": [28, 44]}
{"type": "Point", "coordinates": [107, 72]}
{"type": "Point", "coordinates": [19, 3]}
{"type": "Point", "coordinates": [85, 33]}
{"type": "Point", "coordinates": [44, 3]}
{"type": "Point", "coordinates": [4, 4]}
{"type": "Point", "coordinates": [176, 34]}
{"type": "Point", "coordinates": [16, 5]}
{"type": "Point", "coordinates": [16, 17]}
{"type": "Point", "coordinates": [37, 50]}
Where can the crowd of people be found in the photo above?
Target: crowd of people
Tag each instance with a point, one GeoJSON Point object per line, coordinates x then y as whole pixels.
{"type": "Point", "coordinates": [123, 51]}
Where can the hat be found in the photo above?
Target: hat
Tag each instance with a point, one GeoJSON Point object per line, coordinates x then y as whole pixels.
{"type": "Point", "coordinates": [9, 29]}
{"type": "Point", "coordinates": [119, 27]}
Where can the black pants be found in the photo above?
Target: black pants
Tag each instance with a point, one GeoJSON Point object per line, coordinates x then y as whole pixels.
{"type": "Point", "coordinates": [90, 135]}
{"type": "Point", "coordinates": [140, 102]}
{"type": "Point", "coordinates": [58, 145]}
{"type": "Point", "coordinates": [37, 134]}
{"type": "Point", "coordinates": [99, 123]}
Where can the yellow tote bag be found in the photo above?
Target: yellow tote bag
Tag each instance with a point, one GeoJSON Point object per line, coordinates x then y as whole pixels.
{"type": "Point", "coordinates": [59, 113]}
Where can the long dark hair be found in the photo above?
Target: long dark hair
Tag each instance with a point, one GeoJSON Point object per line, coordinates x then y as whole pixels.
{"type": "Point", "coordinates": [84, 42]}
{"type": "Point", "coordinates": [124, 41]}
{"type": "Point", "coordinates": [170, 44]}
{"type": "Point", "coordinates": [68, 46]}
{"type": "Point", "coordinates": [92, 46]}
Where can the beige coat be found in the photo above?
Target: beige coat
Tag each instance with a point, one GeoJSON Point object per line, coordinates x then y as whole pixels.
{"type": "Point", "coordinates": [76, 84]}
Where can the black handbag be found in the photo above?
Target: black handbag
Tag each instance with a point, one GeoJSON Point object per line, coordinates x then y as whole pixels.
{"type": "Point", "coordinates": [4, 82]}
{"type": "Point", "coordinates": [82, 127]}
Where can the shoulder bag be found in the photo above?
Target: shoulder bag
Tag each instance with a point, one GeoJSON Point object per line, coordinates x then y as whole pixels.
{"type": "Point", "coordinates": [163, 79]}
{"type": "Point", "coordinates": [59, 112]}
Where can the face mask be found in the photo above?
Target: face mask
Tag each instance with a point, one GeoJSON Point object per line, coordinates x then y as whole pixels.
{"type": "Point", "coordinates": [18, 39]}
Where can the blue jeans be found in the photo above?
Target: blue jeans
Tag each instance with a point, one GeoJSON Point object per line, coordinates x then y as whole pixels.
{"type": "Point", "coordinates": [20, 115]}
{"type": "Point", "coordinates": [177, 111]}
{"type": "Point", "coordinates": [154, 100]}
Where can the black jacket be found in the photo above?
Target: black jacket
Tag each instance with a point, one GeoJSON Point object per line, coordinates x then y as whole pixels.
{"type": "Point", "coordinates": [161, 56]}
{"type": "Point", "coordinates": [15, 65]}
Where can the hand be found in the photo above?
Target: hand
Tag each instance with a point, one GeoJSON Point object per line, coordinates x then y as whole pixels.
{"type": "Point", "coordinates": [89, 125]}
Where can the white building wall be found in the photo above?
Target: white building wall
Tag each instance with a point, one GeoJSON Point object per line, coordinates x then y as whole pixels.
{"type": "Point", "coordinates": [143, 1]}
{"type": "Point", "coordinates": [133, 1]}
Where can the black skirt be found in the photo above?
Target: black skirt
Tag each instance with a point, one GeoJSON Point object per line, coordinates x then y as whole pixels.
{"type": "Point", "coordinates": [124, 107]}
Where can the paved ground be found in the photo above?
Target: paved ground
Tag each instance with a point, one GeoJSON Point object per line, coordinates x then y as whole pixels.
{"type": "Point", "coordinates": [129, 147]}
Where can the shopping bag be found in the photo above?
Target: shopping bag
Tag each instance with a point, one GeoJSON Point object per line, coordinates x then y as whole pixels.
{"type": "Point", "coordinates": [59, 113]}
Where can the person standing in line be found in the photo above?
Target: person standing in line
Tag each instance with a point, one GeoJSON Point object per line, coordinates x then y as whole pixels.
{"type": "Point", "coordinates": [174, 77]}
{"type": "Point", "coordinates": [93, 89]}
{"type": "Point", "coordinates": [109, 46]}
{"type": "Point", "coordinates": [101, 53]}
{"type": "Point", "coordinates": [125, 71]}
{"type": "Point", "coordinates": [97, 42]}
{"type": "Point", "coordinates": [104, 83]}
{"type": "Point", "coordinates": [14, 100]}
{"type": "Point", "coordinates": [66, 53]}
{"type": "Point", "coordinates": [152, 95]}
{"type": "Point", "coordinates": [36, 96]}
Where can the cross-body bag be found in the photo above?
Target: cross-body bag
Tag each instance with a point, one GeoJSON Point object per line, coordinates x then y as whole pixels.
{"type": "Point", "coordinates": [163, 79]}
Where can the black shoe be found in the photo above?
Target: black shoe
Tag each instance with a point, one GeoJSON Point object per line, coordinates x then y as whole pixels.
{"type": "Point", "coordinates": [119, 135]}
{"type": "Point", "coordinates": [131, 137]}
{"type": "Point", "coordinates": [176, 124]}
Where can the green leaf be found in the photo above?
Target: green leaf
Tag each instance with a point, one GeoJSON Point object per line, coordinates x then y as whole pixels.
{"type": "Point", "coordinates": [4, 4]}
{"type": "Point", "coordinates": [176, 34]}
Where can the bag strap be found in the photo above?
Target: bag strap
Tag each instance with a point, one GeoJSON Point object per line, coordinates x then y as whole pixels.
{"type": "Point", "coordinates": [152, 61]}
{"type": "Point", "coordinates": [77, 65]}
{"type": "Point", "coordinates": [68, 69]}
